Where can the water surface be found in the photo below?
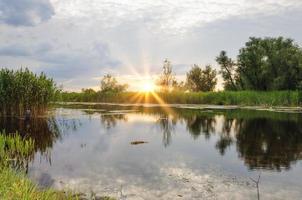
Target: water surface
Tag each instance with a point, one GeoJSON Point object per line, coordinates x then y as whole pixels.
{"type": "Point", "coordinates": [188, 154]}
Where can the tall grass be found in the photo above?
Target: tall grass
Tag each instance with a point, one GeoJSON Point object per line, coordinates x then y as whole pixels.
{"type": "Point", "coordinates": [14, 184]}
{"type": "Point", "coordinates": [22, 89]}
{"type": "Point", "coordinates": [15, 151]}
{"type": "Point", "coordinates": [246, 98]}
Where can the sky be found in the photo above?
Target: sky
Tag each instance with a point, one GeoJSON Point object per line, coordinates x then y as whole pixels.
{"type": "Point", "coordinates": [78, 41]}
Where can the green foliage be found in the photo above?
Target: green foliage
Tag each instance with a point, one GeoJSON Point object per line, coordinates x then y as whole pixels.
{"type": "Point", "coordinates": [227, 71]}
{"type": "Point", "coordinates": [270, 64]}
{"type": "Point", "coordinates": [14, 151]}
{"type": "Point", "coordinates": [246, 98]}
{"type": "Point", "coordinates": [201, 80]}
{"type": "Point", "coordinates": [15, 185]}
{"type": "Point", "coordinates": [300, 97]}
{"type": "Point", "coordinates": [22, 89]}
{"type": "Point", "coordinates": [109, 84]}
{"type": "Point", "coordinates": [263, 64]}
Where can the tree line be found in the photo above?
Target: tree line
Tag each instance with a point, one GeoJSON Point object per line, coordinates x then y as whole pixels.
{"type": "Point", "coordinates": [263, 64]}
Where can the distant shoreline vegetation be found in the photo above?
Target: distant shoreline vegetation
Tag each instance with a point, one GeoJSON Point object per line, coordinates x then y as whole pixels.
{"type": "Point", "coordinates": [267, 72]}
{"type": "Point", "coordinates": [244, 98]}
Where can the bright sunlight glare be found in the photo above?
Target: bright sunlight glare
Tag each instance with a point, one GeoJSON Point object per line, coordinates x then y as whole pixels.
{"type": "Point", "coordinates": [148, 87]}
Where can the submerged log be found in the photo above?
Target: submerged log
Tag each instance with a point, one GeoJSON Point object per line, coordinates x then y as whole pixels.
{"type": "Point", "coordinates": [138, 142]}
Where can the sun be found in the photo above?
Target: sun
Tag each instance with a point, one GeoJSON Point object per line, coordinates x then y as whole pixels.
{"type": "Point", "coordinates": [148, 87]}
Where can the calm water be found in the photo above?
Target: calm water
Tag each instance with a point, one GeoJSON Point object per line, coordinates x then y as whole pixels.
{"type": "Point", "coordinates": [189, 154]}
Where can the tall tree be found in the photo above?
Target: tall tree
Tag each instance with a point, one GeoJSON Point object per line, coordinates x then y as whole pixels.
{"type": "Point", "coordinates": [201, 80]}
{"type": "Point", "coordinates": [166, 79]}
{"type": "Point", "coordinates": [110, 84]}
{"type": "Point", "coordinates": [270, 64]}
{"type": "Point", "coordinates": [228, 71]}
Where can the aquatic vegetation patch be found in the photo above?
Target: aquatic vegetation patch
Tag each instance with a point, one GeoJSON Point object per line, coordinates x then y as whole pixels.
{"type": "Point", "coordinates": [22, 90]}
{"type": "Point", "coordinates": [15, 185]}
{"type": "Point", "coordinates": [242, 98]}
{"type": "Point", "coordinates": [15, 151]}
{"type": "Point", "coordinates": [14, 154]}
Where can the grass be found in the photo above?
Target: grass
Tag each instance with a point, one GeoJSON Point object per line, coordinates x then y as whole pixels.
{"type": "Point", "coordinates": [14, 154]}
{"type": "Point", "coordinates": [15, 185]}
{"type": "Point", "coordinates": [245, 98]}
{"type": "Point", "coordinates": [15, 151]}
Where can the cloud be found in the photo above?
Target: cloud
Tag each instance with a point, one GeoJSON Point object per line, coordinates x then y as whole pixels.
{"type": "Point", "coordinates": [75, 63]}
{"type": "Point", "coordinates": [14, 50]}
{"type": "Point", "coordinates": [65, 63]}
{"type": "Point", "coordinates": [170, 16]}
{"type": "Point", "coordinates": [89, 38]}
{"type": "Point", "coordinates": [25, 12]}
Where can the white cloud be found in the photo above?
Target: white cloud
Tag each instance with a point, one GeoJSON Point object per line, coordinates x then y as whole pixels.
{"type": "Point", "coordinates": [25, 12]}
{"type": "Point", "coordinates": [82, 39]}
{"type": "Point", "coordinates": [174, 16]}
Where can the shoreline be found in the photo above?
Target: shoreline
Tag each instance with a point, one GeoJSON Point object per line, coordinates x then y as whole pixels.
{"type": "Point", "coordinates": [286, 109]}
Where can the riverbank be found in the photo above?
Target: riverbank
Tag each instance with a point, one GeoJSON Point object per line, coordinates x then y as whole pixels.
{"type": "Point", "coordinates": [287, 109]}
{"type": "Point", "coordinates": [15, 154]}
{"type": "Point", "coordinates": [238, 98]}
{"type": "Point", "coordinates": [16, 185]}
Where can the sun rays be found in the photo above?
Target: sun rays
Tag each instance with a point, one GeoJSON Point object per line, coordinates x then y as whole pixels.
{"type": "Point", "coordinates": [148, 86]}
{"type": "Point", "coordinates": [147, 90]}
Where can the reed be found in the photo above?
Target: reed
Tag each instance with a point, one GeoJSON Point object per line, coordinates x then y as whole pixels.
{"type": "Point", "coordinates": [245, 98]}
{"type": "Point", "coordinates": [15, 151]}
{"type": "Point", "coordinates": [22, 90]}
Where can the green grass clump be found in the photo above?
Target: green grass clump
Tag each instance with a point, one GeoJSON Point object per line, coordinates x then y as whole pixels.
{"type": "Point", "coordinates": [22, 89]}
{"type": "Point", "coordinates": [16, 186]}
{"type": "Point", "coordinates": [15, 151]}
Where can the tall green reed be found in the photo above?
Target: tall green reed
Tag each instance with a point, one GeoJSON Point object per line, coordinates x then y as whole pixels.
{"type": "Point", "coordinates": [22, 90]}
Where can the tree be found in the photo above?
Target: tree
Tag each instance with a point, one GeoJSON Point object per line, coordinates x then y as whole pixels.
{"type": "Point", "coordinates": [166, 79]}
{"type": "Point", "coordinates": [201, 80]}
{"type": "Point", "coordinates": [270, 64]}
{"type": "Point", "coordinates": [228, 71]}
{"type": "Point", "coordinates": [179, 86]}
{"type": "Point", "coordinates": [88, 91]}
{"type": "Point", "coordinates": [110, 84]}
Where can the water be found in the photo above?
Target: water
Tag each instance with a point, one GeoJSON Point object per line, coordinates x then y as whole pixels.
{"type": "Point", "coordinates": [188, 154]}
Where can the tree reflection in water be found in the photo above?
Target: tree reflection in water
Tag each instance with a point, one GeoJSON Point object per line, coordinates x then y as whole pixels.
{"type": "Point", "coordinates": [197, 125]}
{"type": "Point", "coordinates": [269, 141]}
{"type": "Point", "coordinates": [167, 126]}
{"type": "Point", "coordinates": [263, 139]}
{"type": "Point", "coordinates": [225, 137]}
{"type": "Point", "coordinates": [109, 120]}
{"type": "Point", "coordinates": [269, 144]}
{"type": "Point", "coordinates": [44, 131]}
